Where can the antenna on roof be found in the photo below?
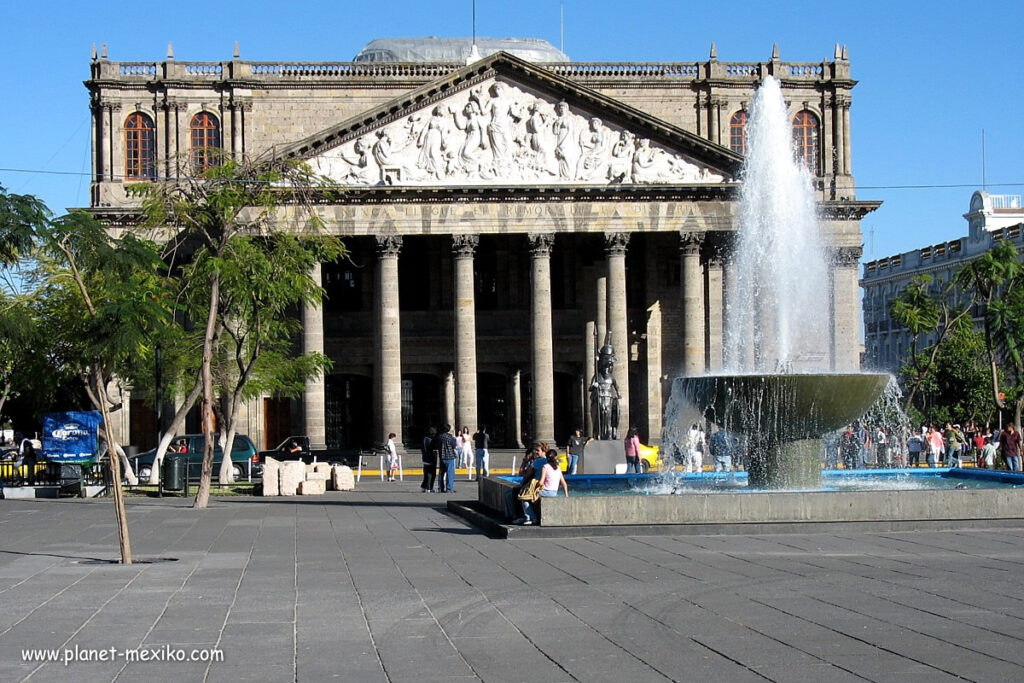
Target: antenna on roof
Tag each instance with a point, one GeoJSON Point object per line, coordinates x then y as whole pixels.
{"type": "Point", "coordinates": [983, 158]}
{"type": "Point", "coordinates": [474, 53]}
{"type": "Point", "coordinates": [561, 27]}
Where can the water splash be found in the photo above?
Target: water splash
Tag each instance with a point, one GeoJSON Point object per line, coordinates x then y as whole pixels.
{"type": "Point", "coordinates": [777, 312]}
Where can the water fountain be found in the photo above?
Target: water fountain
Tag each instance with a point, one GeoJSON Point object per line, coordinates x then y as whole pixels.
{"type": "Point", "coordinates": [780, 389]}
{"type": "Point", "coordinates": [777, 390]}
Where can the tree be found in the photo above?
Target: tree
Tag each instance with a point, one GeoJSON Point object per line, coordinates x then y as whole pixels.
{"type": "Point", "coordinates": [923, 309]}
{"type": "Point", "coordinates": [204, 214]}
{"type": "Point", "coordinates": [995, 278]}
{"type": "Point", "coordinates": [102, 301]}
{"type": "Point", "coordinates": [956, 385]}
{"type": "Point", "coordinates": [263, 282]}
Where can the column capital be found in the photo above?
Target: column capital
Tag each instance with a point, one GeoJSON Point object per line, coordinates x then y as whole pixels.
{"type": "Point", "coordinates": [690, 243]}
{"type": "Point", "coordinates": [464, 246]}
{"type": "Point", "coordinates": [615, 243]}
{"type": "Point", "coordinates": [388, 246]}
{"type": "Point", "coordinates": [541, 244]}
{"type": "Point", "coordinates": [846, 256]}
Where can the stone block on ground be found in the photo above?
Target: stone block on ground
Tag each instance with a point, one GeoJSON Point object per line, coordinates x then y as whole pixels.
{"type": "Point", "coordinates": [342, 478]}
{"type": "Point", "coordinates": [271, 477]}
{"type": "Point", "coordinates": [312, 487]}
{"type": "Point", "coordinates": [292, 474]}
{"type": "Point", "coordinates": [317, 476]}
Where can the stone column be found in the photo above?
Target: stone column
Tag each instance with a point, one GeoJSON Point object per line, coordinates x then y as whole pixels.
{"type": "Point", "coordinates": [589, 370]}
{"type": "Point", "coordinates": [692, 278]}
{"type": "Point", "coordinates": [715, 310]}
{"type": "Point", "coordinates": [449, 400]}
{"type": "Point", "coordinates": [542, 354]}
{"type": "Point", "coordinates": [113, 143]}
{"type": "Point", "coordinates": [653, 428]}
{"type": "Point", "coordinates": [389, 351]}
{"type": "Point", "coordinates": [837, 135]}
{"type": "Point", "coordinates": [314, 398]}
{"type": "Point", "coordinates": [517, 408]}
{"type": "Point", "coordinates": [618, 318]}
{"type": "Point", "coordinates": [715, 105]}
{"type": "Point", "coordinates": [465, 331]}
{"type": "Point", "coordinates": [845, 305]}
{"type": "Point", "coordinates": [846, 136]}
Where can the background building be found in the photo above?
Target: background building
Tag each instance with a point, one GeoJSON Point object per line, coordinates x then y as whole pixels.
{"type": "Point", "coordinates": [992, 217]}
{"type": "Point", "coordinates": [510, 213]}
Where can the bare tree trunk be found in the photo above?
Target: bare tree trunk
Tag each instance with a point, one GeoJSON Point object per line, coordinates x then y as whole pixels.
{"type": "Point", "coordinates": [206, 373]}
{"type": "Point", "coordinates": [115, 471]}
{"type": "Point", "coordinates": [176, 423]}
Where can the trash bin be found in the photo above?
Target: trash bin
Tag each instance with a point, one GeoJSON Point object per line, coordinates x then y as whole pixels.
{"type": "Point", "coordinates": [174, 472]}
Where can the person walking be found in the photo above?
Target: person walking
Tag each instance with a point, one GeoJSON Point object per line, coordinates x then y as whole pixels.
{"type": "Point", "coordinates": [632, 447]}
{"type": "Point", "coordinates": [391, 456]}
{"type": "Point", "coordinates": [466, 455]}
{"type": "Point", "coordinates": [935, 446]}
{"type": "Point", "coordinates": [482, 442]}
{"type": "Point", "coordinates": [429, 461]}
{"type": "Point", "coordinates": [954, 440]}
{"type": "Point", "coordinates": [447, 452]}
{"type": "Point", "coordinates": [1009, 444]}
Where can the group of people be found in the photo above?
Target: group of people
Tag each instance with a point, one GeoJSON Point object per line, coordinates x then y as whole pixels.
{"type": "Point", "coordinates": [443, 452]}
{"type": "Point", "coordinates": [949, 445]}
{"type": "Point", "coordinates": [540, 465]}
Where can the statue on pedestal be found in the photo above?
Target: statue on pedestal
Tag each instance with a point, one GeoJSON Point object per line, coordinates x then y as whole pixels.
{"type": "Point", "coordinates": [604, 394]}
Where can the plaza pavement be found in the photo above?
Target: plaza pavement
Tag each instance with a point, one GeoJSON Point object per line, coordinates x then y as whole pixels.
{"type": "Point", "coordinates": [383, 584]}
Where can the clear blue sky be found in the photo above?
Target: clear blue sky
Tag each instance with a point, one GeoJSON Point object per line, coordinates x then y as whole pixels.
{"type": "Point", "coordinates": [932, 75]}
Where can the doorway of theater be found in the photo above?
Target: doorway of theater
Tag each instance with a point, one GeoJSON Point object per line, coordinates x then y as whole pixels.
{"type": "Point", "coordinates": [349, 411]}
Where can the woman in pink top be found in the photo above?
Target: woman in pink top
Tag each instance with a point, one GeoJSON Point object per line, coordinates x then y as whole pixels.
{"type": "Point", "coordinates": [551, 478]}
{"type": "Point", "coordinates": [633, 450]}
{"type": "Point", "coordinates": [935, 446]}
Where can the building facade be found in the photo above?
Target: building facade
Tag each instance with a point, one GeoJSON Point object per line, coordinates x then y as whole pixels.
{"type": "Point", "coordinates": [991, 218]}
{"type": "Point", "coordinates": [503, 217]}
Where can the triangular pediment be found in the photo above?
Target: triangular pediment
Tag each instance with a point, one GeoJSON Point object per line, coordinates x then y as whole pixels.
{"type": "Point", "coordinates": [505, 122]}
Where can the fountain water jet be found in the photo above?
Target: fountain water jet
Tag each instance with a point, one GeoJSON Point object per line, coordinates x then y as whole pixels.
{"type": "Point", "coordinates": [777, 389]}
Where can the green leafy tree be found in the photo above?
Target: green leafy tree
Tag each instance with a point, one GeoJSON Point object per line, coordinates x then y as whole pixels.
{"type": "Point", "coordinates": [996, 280]}
{"type": "Point", "coordinates": [201, 216]}
{"type": "Point", "coordinates": [924, 309]}
{"type": "Point", "coordinates": [264, 281]}
{"type": "Point", "coordinates": [101, 300]}
{"type": "Point", "coordinates": [956, 386]}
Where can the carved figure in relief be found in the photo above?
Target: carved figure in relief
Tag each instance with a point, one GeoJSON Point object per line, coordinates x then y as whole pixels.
{"type": "Point", "coordinates": [594, 150]}
{"type": "Point", "coordinates": [382, 149]}
{"type": "Point", "coordinates": [562, 128]}
{"type": "Point", "coordinates": [643, 162]}
{"type": "Point", "coordinates": [502, 112]}
{"type": "Point", "coordinates": [474, 140]}
{"type": "Point", "coordinates": [360, 171]}
{"type": "Point", "coordinates": [536, 142]}
{"type": "Point", "coordinates": [620, 168]}
{"type": "Point", "coordinates": [431, 142]}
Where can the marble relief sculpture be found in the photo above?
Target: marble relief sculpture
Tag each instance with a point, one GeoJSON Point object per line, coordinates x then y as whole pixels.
{"type": "Point", "coordinates": [500, 133]}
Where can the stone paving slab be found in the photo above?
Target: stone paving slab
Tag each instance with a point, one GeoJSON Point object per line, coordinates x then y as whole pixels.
{"type": "Point", "coordinates": [385, 584]}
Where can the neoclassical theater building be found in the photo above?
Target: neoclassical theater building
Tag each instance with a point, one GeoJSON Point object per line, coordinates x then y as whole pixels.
{"type": "Point", "coordinates": [506, 213]}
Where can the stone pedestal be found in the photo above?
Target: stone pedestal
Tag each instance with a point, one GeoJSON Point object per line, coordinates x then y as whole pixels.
{"type": "Point", "coordinates": [271, 477]}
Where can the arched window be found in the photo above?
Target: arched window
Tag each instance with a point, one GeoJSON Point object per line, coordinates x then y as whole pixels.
{"type": "Point", "coordinates": [205, 129]}
{"type": "Point", "coordinates": [805, 139]}
{"type": "Point", "coordinates": [139, 147]}
{"type": "Point", "coordinates": [738, 132]}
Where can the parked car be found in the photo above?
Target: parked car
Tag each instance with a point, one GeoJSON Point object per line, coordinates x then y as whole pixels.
{"type": "Point", "coordinates": [243, 456]}
{"type": "Point", "coordinates": [297, 448]}
{"type": "Point", "coordinates": [648, 458]}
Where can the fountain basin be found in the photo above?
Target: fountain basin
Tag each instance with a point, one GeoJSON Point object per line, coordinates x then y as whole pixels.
{"type": "Point", "coordinates": [790, 407]}
{"type": "Point", "coordinates": [783, 416]}
{"type": "Point", "coordinates": [950, 507]}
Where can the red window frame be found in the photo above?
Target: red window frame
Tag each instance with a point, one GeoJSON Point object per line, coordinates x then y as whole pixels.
{"type": "Point", "coordinates": [139, 147]}
{"type": "Point", "coordinates": [205, 135]}
{"type": "Point", "coordinates": [805, 139]}
{"type": "Point", "coordinates": [738, 132]}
